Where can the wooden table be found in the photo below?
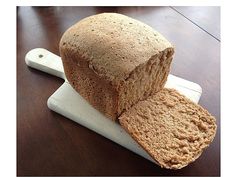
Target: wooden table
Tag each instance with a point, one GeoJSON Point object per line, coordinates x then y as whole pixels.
{"type": "Point", "coordinates": [49, 144]}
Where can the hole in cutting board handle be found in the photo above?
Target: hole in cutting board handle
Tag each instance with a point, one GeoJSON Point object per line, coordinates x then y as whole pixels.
{"type": "Point", "coordinates": [40, 56]}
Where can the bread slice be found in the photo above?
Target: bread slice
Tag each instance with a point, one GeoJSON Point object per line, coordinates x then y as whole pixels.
{"type": "Point", "coordinates": [114, 61]}
{"type": "Point", "coordinates": [170, 127]}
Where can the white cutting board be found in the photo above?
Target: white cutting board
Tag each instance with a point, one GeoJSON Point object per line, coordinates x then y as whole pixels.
{"type": "Point", "coordinates": [67, 102]}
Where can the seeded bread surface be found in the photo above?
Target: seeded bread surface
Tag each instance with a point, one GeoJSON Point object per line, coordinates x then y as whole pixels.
{"type": "Point", "coordinates": [170, 127]}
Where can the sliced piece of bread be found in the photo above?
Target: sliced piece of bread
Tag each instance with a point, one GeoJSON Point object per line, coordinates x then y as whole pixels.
{"type": "Point", "coordinates": [170, 127]}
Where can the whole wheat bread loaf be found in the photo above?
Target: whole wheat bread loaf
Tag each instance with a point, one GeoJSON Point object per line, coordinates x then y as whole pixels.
{"type": "Point", "coordinates": [170, 127]}
{"type": "Point", "coordinates": [120, 65]}
{"type": "Point", "coordinates": [113, 61]}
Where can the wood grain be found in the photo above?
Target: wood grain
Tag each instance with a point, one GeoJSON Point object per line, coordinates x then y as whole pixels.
{"type": "Point", "coordinates": [49, 144]}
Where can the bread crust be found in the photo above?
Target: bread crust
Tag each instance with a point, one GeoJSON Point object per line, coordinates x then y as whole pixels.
{"type": "Point", "coordinates": [97, 91]}
{"type": "Point", "coordinates": [113, 44]}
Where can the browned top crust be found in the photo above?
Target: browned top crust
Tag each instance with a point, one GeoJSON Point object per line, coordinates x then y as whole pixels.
{"type": "Point", "coordinates": [113, 44]}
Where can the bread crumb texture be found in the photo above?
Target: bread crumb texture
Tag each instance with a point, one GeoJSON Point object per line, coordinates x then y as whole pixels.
{"type": "Point", "coordinates": [170, 127]}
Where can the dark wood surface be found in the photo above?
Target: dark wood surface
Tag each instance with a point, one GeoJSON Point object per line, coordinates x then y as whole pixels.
{"type": "Point", "coordinates": [205, 18]}
{"type": "Point", "coordinates": [49, 144]}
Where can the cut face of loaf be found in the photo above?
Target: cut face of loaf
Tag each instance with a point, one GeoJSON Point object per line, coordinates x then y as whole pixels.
{"type": "Point", "coordinates": [170, 127]}
{"type": "Point", "coordinates": [144, 81]}
{"type": "Point", "coordinates": [114, 61]}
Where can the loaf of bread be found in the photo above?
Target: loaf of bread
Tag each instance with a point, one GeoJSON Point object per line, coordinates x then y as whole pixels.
{"type": "Point", "coordinates": [114, 61]}
{"type": "Point", "coordinates": [120, 65]}
{"type": "Point", "coordinates": [170, 127]}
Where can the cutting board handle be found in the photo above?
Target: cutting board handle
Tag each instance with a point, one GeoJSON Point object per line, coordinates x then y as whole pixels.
{"type": "Point", "coordinates": [45, 61]}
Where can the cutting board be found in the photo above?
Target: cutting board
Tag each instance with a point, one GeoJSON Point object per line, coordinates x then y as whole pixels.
{"type": "Point", "coordinates": [67, 102]}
